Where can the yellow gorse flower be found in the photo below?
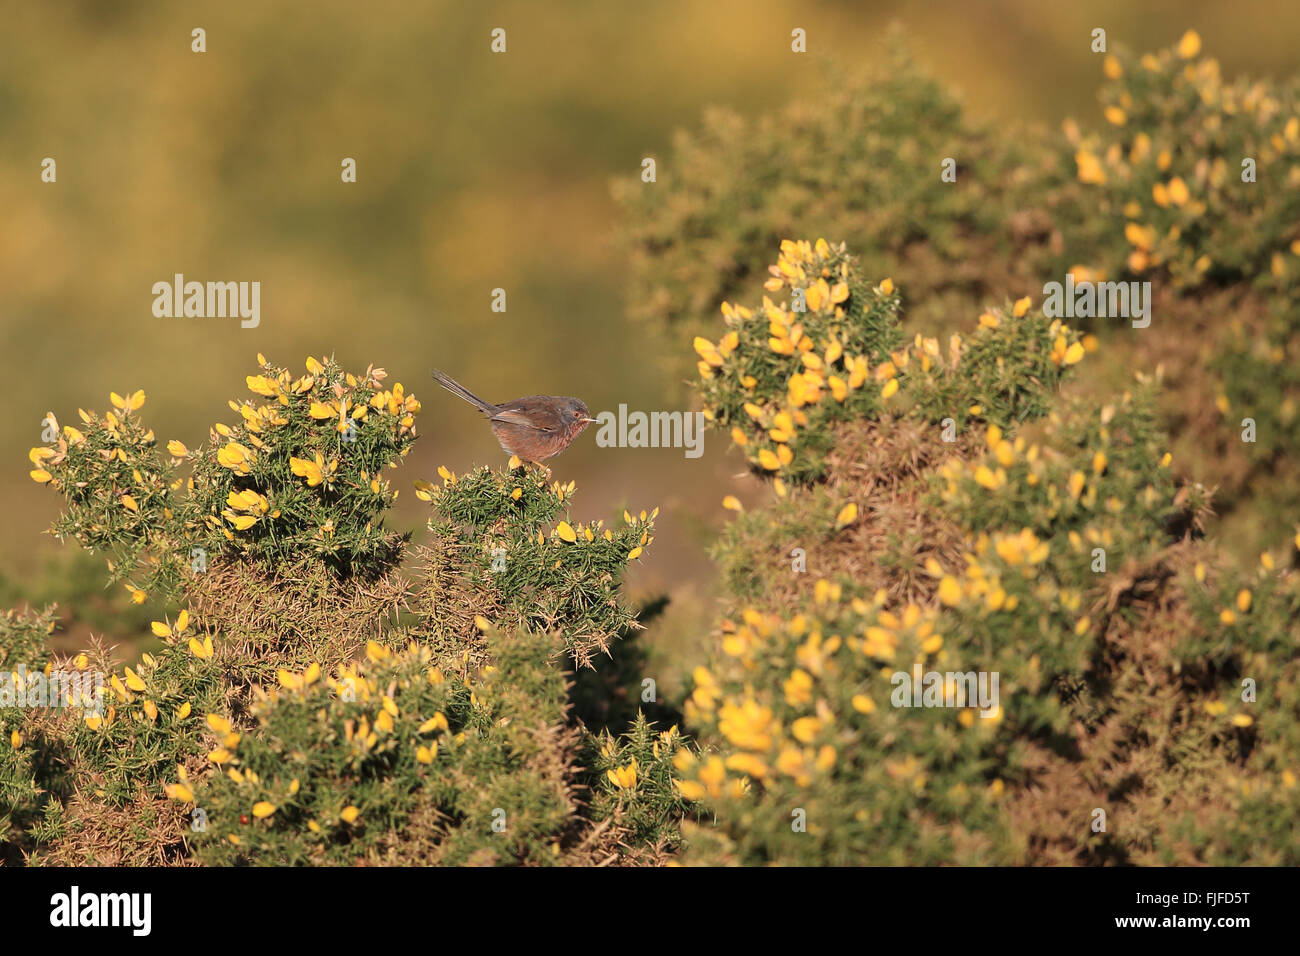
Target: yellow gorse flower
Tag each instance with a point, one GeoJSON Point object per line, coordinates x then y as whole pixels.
{"type": "Point", "coordinates": [316, 471]}
{"type": "Point", "coordinates": [624, 777]}
{"type": "Point", "coordinates": [1189, 45]}
{"type": "Point", "coordinates": [129, 404]}
{"type": "Point", "coordinates": [179, 792]}
{"type": "Point", "coordinates": [236, 457]}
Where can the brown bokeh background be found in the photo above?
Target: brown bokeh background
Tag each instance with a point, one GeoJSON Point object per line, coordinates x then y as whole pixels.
{"type": "Point", "coordinates": [475, 171]}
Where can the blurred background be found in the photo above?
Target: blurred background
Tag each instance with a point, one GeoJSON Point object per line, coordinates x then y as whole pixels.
{"type": "Point", "coordinates": [474, 171]}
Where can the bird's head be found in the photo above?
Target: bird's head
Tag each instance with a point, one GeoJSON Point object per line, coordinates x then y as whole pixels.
{"type": "Point", "coordinates": [576, 414]}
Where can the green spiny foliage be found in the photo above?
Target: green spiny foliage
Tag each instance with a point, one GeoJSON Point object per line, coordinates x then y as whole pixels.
{"type": "Point", "coordinates": [860, 159]}
{"type": "Point", "coordinates": [120, 494]}
{"type": "Point", "coordinates": [803, 740]}
{"type": "Point", "coordinates": [1057, 552]}
{"type": "Point", "coordinates": [784, 373]}
{"type": "Point", "coordinates": [1101, 466]}
{"type": "Point", "coordinates": [1155, 193]}
{"type": "Point", "coordinates": [1257, 375]}
{"type": "Point", "coordinates": [1170, 161]}
{"type": "Point", "coordinates": [1003, 374]}
{"type": "Point", "coordinates": [152, 720]}
{"type": "Point", "coordinates": [783, 377]}
{"type": "Point", "coordinates": [396, 753]}
{"type": "Point", "coordinates": [109, 753]}
{"type": "Point", "coordinates": [303, 472]}
{"type": "Point", "coordinates": [24, 637]}
{"type": "Point", "coordinates": [509, 546]}
{"type": "Point", "coordinates": [633, 785]}
{"type": "Point", "coordinates": [252, 698]}
{"type": "Point", "coordinates": [28, 812]}
{"type": "Point", "coordinates": [1203, 172]}
{"type": "Point", "coordinates": [398, 761]}
{"type": "Point", "coordinates": [299, 474]}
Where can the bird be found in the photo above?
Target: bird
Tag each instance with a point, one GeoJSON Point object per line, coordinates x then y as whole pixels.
{"type": "Point", "coordinates": [533, 428]}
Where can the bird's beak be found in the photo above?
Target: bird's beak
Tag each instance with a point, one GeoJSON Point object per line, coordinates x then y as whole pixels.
{"type": "Point", "coordinates": [591, 419]}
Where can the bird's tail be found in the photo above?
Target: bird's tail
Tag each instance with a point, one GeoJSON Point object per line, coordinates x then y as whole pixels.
{"type": "Point", "coordinates": [453, 386]}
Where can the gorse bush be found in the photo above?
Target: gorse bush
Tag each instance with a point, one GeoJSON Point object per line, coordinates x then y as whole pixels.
{"type": "Point", "coordinates": [25, 805]}
{"type": "Point", "coordinates": [398, 761]}
{"type": "Point", "coordinates": [1202, 171]}
{"type": "Point", "coordinates": [309, 701]}
{"type": "Point", "coordinates": [119, 493]}
{"type": "Point", "coordinates": [860, 160]}
{"type": "Point", "coordinates": [786, 372]}
{"type": "Point", "coordinates": [301, 473]}
{"type": "Point", "coordinates": [1043, 541]}
{"type": "Point", "coordinates": [491, 551]}
{"type": "Point", "coordinates": [1152, 190]}
{"type": "Point", "coordinates": [304, 470]}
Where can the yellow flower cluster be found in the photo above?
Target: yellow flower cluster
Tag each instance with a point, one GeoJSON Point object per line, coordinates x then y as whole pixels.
{"type": "Point", "coordinates": [625, 776]}
{"type": "Point", "coordinates": [326, 398]}
{"type": "Point", "coordinates": [990, 472]}
{"type": "Point", "coordinates": [1242, 605]}
{"type": "Point", "coordinates": [125, 435]}
{"type": "Point", "coordinates": [75, 695]}
{"type": "Point", "coordinates": [133, 688]}
{"type": "Point", "coordinates": [928, 355]}
{"type": "Point", "coordinates": [818, 366]}
{"type": "Point", "coordinates": [317, 471]}
{"type": "Point", "coordinates": [1185, 185]}
{"type": "Point", "coordinates": [362, 735]}
{"type": "Point", "coordinates": [341, 398]}
{"type": "Point", "coordinates": [787, 727]}
{"type": "Point", "coordinates": [1064, 352]}
{"type": "Point", "coordinates": [982, 583]}
{"type": "Point", "coordinates": [253, 507]}
{"type": "Point", "coordinates": [563, 531]}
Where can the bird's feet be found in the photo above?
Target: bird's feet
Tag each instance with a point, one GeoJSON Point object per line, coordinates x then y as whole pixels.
{"type": "Point", "coordinates": [517, 462]}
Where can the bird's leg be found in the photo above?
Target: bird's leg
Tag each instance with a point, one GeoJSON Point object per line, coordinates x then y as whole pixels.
{"type": "Point", "coordinates": [538, 465]}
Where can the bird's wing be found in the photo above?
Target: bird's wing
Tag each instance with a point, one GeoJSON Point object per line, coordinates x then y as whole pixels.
{"type": "Point", "coordinates": [512, 417]}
